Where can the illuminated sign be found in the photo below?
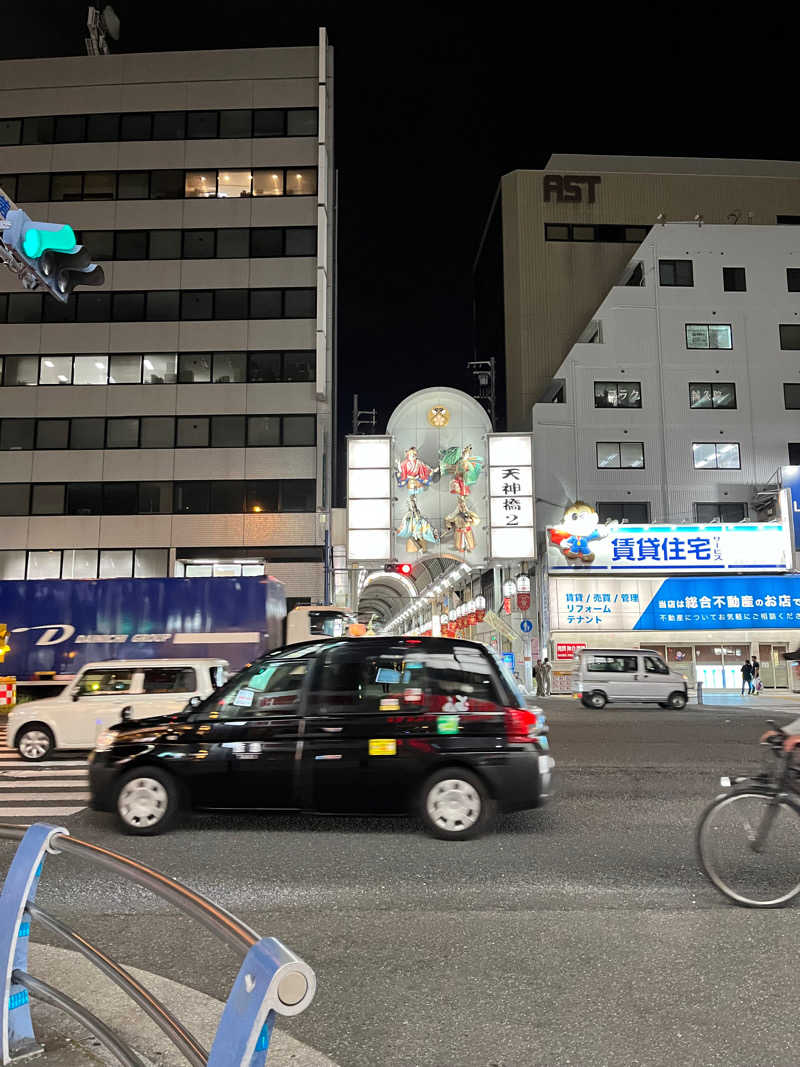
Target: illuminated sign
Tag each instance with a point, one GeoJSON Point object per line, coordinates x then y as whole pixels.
{"type": "Point", "coordinates": [369, 498]}
{"type": "Point", "coordinates": [702, 602]}
{"type": "Point", "coordinates": [586, 545]}
{"type": "Point", "coordinates": [790, 480]}
{"type": "Point", "coordinates": [512, 529]}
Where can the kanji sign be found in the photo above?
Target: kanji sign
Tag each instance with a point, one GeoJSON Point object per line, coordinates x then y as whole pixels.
{"type": "Point", "coordinates": [511, 511]}
{"type": "Point", "coordinates": [724, 602]}
{"type": "Point", "coordinates": [715, 547]}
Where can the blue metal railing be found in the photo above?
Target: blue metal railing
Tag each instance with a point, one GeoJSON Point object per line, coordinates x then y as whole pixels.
{"type": "Point", "coordinates": [272, 979]}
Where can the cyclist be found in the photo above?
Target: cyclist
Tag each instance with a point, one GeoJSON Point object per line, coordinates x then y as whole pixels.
{"type": "Point", "coordinates": [792, 732]}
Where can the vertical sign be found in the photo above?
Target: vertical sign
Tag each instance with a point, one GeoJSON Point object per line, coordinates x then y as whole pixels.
{"type": "Point", "coordinates": [512, 530]}
{"type": "Point", "coordinates": [369, 498]}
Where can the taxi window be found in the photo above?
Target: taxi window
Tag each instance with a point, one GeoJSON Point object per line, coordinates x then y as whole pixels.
{"type": "Point", "coordinates": [169, 680]}
{"type": "Point", "coordinates": [264, 690]}
{"type": "Point", "coordinates": [361, 682]}
{"type": "Point", "coordinates": [104, 683]}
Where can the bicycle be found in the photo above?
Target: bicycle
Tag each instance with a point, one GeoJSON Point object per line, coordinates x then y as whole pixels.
{"type": "Point", "coordinates": [748, 839]}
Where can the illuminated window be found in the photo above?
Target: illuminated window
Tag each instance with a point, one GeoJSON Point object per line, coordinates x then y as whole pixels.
{"type": "Point", "coordinates": [628, 454]}
{"type": "Point", "coordinates": [301, 182]}
{"type": "Point", "coordinates": [715, 335]}
{"type": "Point", "coordinates": [201, 183]}
{"type": "Point", "coordinates": [234, 183]}
{"type": "Point", "coordinates": [617, 394]}
{"type": "Point", "coordinates": [267, 183]}
{"type": "Point", "coordinates": [713, 456]}
{"type": "Point", "coordinates": [712, 395]}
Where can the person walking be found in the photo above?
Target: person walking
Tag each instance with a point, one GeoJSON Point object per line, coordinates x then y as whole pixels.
{"type": "Point", "coordinates": [756, 676]}
{"type": "Point", "coordinates": [538, 675]}
{"type": "Point", "coordinates": [546, 670]}
{"type": "Point", "coordinates": [747, 677]}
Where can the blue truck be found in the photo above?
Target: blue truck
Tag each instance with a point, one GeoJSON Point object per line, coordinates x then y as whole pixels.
{"type": "Point", "coordinates": [54, 627]}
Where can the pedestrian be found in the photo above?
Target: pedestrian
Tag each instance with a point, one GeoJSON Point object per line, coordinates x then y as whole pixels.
{"type": "Point", "coordinates": [537, 674]}
{"type": "Point", "coordinates": [546, 672]}
{"type": "Point", "coordinates": [747, 677]}
{"type": "Point", "coordinates": [756, 675]}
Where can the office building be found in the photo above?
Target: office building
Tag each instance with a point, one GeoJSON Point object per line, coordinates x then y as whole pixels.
{"type": "Point", "coordinates": [557, 240]}
{"type": "Point", "coordinates": [179, 420]}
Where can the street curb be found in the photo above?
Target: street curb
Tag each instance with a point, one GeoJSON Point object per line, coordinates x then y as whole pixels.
{"type": "Point", "coordinates": [68, 1045]}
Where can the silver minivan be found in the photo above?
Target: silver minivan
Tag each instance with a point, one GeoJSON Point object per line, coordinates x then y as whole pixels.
{"type": "Point", "coordinates": [635, 675]}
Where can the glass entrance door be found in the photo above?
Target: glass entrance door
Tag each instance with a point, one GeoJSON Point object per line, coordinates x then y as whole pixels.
{"type": "Point", "coordinates": [773, 668]}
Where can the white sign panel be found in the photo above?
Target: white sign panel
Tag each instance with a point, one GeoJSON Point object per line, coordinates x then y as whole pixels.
{"type": "Point", "coordinates": [581, 543]}
{"type": "Point", "coordinates": [511, 511]}
{"type": "Point", "coordinates": [369, 490]}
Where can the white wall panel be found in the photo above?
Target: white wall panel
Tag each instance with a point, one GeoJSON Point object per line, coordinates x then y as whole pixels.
{"type": "Point", "coordinates": [63, 531]}
{"type": "Point", "coordinates": [205, 463]}
{"type": "Point", "coordinates": [67, 466]}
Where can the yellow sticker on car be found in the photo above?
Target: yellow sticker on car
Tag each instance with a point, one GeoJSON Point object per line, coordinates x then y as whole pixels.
{"type": "Point", "coordinates": [389, 704]}
{"type": "Point", "coordinates": [382, 746]}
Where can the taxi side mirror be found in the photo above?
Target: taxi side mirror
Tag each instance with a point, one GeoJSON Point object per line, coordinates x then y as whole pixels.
{"type": "Point", "coordinates": [126, 714]}
{"type": "Point", "coordinates": [75, 694]}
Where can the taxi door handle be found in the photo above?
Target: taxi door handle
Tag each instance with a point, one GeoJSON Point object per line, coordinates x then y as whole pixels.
{"type": "Point", "coordinates": [331, 729]}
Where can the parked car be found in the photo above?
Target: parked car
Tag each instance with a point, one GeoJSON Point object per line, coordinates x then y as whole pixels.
{"type": "Point", "coordinates": [633, 675]}
{"type": "Point", "coordinates": [94, 700]}
{"type": "Point", "coordinates": [388, 725]}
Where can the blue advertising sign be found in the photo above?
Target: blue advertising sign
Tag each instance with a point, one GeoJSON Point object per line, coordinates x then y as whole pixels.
{"type": "Point", "coordinates": [723, 603]}
{"type": "Point", "coordinates": [60, 625]}
{"type": "Point", "coordinates": [790, 479]}
{"type": "Point", "coordinates": [510, 660]}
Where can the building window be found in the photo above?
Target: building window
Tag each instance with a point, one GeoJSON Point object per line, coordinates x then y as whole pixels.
{"type": "Point", "coordinates": [556, 232]}
{"type": "Point", "coordinates": [719, 512]}
{"type": "Point", "coordinates": [676, 272]}
{"type": "Point", "coordinates": [90, 370]}
{"type": "Point", "coordinates": [628, 511]}
{"type": "Point", "coordinates": [628, 454]}
{"type": "Point", "coordinates": [230, 367]}
{"type": "Point", "coordinates": [192, 432]}
{"type": "Point", "coordinates": [12, 565]}
{"type": "Point", "coordinates": [734, 280]}
{"type": "Point", "coordinates": [43, 565]}
{"type": "Point", "coordinates": [712, 395]}
{"type": "Point", "coordinates": [15, 499]}
{"type": "Point", "coordinates": [790, 336]}
{"type": "Point", "coordinates": [17, 435]}
{"type": "Point", "coordinates": [793, 279]}
{"type": "Point", "coordinates": [791, 396]}
{"type": "Point", "coordinates": [124, 370]}
{"type": "Point", "coordinates": [794, 454]}
{"type": "Point", "coordinates": [606, 233]}
{"type": "Point", "coordinates": [47, 500]}
{"type": "Point", "coordinates": [712, 335]}
{"type": "Point", "coordinates": [716, 456]}
{"type": "Point", "coordinates": [52, 434]}
{"type": "Point", "coordinates": [618, 394]}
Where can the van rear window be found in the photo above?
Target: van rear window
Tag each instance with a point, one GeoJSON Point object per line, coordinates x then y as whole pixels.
{"type": "Point", "coordinates": [612, 664]}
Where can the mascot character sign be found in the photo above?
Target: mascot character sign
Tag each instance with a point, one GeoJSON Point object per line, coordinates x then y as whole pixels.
{"type": "Point", "coordinates": [580, 526]}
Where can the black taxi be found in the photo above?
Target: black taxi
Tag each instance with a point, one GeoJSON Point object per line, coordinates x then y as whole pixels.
{"type": "Point", "coordinates": [367, 725]}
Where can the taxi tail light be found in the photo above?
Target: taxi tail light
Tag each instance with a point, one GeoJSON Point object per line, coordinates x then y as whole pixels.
{"type": "Point", "coordinates": [521, 724]}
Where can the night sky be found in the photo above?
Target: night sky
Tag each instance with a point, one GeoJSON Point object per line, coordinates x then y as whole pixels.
{"type": "Point", "coordinates": [435, 101]}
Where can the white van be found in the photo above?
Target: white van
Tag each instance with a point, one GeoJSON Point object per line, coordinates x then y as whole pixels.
{"type": "Point", "coordinates": [94, 700]}
{"type": "Point", "coordinates": [635, 675]}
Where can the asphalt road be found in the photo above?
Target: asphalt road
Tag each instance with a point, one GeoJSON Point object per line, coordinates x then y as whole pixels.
{"type": "Point", "coordinates": [581, 934]}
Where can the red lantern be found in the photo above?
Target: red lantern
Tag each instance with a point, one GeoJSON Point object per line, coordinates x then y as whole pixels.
{"type": "Point", "coordinates": [480, 614]}
{"type": "Point", "coordinates": [472, 618]}
{"type": "Point", "coordinates": [507, 605]}
{"type": "Point", "coordinates": [523, 601]}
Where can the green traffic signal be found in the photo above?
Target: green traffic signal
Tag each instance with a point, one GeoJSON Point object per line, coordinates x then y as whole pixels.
{"type": "Point", "coordinates": [38, 241]}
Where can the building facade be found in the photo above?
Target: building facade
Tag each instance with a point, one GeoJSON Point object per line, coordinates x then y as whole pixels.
{"type": "Point", "coordinates": [674, 417]}
{"type": "Point", "coordinates": [557, 240]}
{"type": "Point", "coordinates": [179, 420]}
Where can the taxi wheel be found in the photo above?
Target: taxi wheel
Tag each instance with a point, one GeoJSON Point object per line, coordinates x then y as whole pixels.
{"type": "Point", "coordinates": [35, 742]}
{"type": "Point", "coordinates": [456, 804]}
{"type": "Point", "coordinates": [677, 700]}
{"type": "Point", "coordinates": [147, 801]}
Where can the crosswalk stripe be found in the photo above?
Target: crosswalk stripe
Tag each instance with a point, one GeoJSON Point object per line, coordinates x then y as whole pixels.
{"type": "Point", "coordinates": [43, 783]}
{"type": "Point", "coordinates": [28, 812]}
{"type": "Point", "coordinates": [74, 797]}
{"type": "Point", "coordinates": [17, 773]}
{"type": "Point", "coordinates": [50, 764]}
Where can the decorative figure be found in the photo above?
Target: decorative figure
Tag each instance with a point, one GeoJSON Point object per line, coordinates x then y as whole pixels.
{"type": "Point", "coordinates": [416, 528]}
{"type": "Point", "coordinates": [462, 522]}
{"type": "Point", "coordinates": [580, 525]}
{"type": "Point", "coordinates": [463, 466]}
{"type": "Point", "coordinates": [438, 416]}
{"type": "Point", "coordinates": [412, 473]}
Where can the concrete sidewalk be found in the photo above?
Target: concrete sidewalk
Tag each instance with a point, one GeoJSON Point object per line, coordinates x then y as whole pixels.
{"type": "Point", "coordinates": [67, 1044]}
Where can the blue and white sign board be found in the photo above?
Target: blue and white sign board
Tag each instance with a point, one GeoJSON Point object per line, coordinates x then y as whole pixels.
{"type": "Point", "coordinates": [764, 546]}
{"type": "Point", "coordinates": [790, 479]}
{"type": "Point", "coordinates": [510, 660]}
{"type": "Point", "coordinates": [704, 602]}
{"type": "Point", "coordinates": [526, 626]}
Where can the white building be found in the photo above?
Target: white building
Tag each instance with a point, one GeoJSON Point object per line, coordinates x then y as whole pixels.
{"type": "Point", "coordinates": [685, 397]}
{"type": "Point", "coordinates": [178, 421]}
{"type": "Point", "coordinates": [681, 402]}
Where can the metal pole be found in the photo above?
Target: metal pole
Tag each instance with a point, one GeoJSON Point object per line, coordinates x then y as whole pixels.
{"type": "Point", "coordinates": [164, 1019]}
{"type": "Point", "coordinates": [123, 1052]}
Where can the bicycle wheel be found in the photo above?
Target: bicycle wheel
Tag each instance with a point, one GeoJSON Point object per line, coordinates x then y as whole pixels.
{"type": "Point", "coordinates": [750, 849]}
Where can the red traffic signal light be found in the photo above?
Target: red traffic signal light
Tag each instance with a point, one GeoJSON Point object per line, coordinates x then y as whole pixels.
{"type": "Point", "coordinates": [405, 569]}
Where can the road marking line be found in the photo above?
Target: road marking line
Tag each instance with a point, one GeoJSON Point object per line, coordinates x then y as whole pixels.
{"type": "Point", "coordinates": [38, 774]}
{"type": "Point", "coordinates": [75, 797]}
{"type": "Point", "coordinates": [24, 812]}
{"type": "Point", "coordinates": [44, 782]}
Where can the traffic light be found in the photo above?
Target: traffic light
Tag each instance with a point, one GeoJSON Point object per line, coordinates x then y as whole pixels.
{"type": "Point", "coordinates": [399, 568]}
{"type": "Point", "coordinates": [4, 645]}
{"type": "Point", "coordinates": [50, 251]}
